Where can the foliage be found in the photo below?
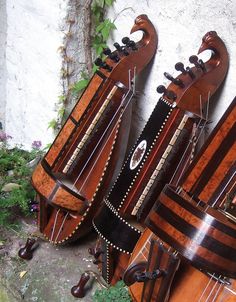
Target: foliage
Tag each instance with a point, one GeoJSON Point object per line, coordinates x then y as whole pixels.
{"type": "Point", "coordinates": [119, 292]}
{"type": "Point", "coordinates": [15, 169]}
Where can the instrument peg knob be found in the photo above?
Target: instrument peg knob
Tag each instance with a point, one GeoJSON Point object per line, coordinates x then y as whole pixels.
{"type": "Point", "coordinates": [117, 46]}
{"type": "Point", "coordinates": [180, 67]}
{"type": "Point", "coordinates": [125, 40]}
{"type": "Point", "coordinates": [26, 252]}
{"type": "Point", "coordinates": [190, 72]}
{"type": "Point", "coordinates": [132, 45]}
{"type": "Point", "coordinates": [161, 89]}
{"type": "Point", "coordinates": [106, 51]}
{"type": "Point", "coordinates": [78, 290]}
{"type": "Point", "coordinates": [193, 59]}
{"type": "Point", "coordinates": [177, 81]}
{"type": "Point", "coordinates": [114, 57]}
{"type": "Point", "coordinates": [98, 62]}
{"type": "Point", "coordinates": [202, 65]}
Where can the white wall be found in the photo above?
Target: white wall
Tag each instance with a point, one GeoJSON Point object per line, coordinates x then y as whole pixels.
{"type": "Point", "coordinates": [32, 83]}
{"type": "Point", "coordinates": [33, 68]}
{"type": "Point", "coordinates": [180, 26]}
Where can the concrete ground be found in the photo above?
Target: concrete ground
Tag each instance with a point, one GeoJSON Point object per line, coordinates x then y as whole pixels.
{"type": "Point", "coordinates": [49, 276]}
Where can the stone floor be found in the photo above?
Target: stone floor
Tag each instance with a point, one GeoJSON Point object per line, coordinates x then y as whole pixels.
{"type": "Point", "coordinates": [49, 276]}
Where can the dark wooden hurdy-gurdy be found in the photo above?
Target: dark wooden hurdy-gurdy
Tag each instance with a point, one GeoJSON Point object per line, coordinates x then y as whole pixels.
{"type": "Point", "coordinates": [161, 154]}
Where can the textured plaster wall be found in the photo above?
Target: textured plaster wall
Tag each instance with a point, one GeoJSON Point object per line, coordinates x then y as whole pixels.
{"type": "Point", "coordinates": [32, 65]}
{"type": "Point", "coordinates": [180, 26]}
{"type": "Point", "coordinates": [34, 33]}
{"type": "Point", "coordinates": [3, 36]}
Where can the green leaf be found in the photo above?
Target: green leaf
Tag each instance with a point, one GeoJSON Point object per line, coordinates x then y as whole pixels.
{"type": "Point", "coordinates": [52, 124]}
{"type": "Point", "coordinates": [109, 2]}
{"type": "Point", "coordinates": [80, 85]}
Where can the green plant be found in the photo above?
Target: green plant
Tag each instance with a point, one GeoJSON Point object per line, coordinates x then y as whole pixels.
{"type": "Point", "coordinates": [102, 28]}
{"type": "Point", "coordinates": [119, 292]}
{"type": "Point", "coordinates": [15, 187]}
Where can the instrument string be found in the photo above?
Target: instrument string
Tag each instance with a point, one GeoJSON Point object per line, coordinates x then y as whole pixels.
{"type": "Point", "coordinates": [61, 227]}
{"type": "Point", "coordinates": [54, 225]}
{"type": "Point", "coordinates": [206, 287]}
{"type": "Point", "coordinates": [212, 290]}
{"type": "Point", "coordinates": [107, 128]}
{"type": "Point", "coordinates": [199, 135]}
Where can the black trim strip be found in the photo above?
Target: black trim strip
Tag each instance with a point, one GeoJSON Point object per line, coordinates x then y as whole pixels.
{"type": "Point", "coordinates": [115, 230]}
{"type": "Point", "coordinates": [195, 211]}
{"type": "Point", "coordinates": [215, 161]}
{"type": "Point", "coordinates": [59, 183]}
{"type": "Point", "coordinates": [201, 239]}
{"type": "Point", "coordinates": [197, 261]}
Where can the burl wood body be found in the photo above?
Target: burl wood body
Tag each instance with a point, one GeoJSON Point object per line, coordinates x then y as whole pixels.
{"type": "Point", "coordinates": [199, 232]}
{"type": "Point", "coordinates": [191, 97]}
{"type": "Point", "coordinates": [76, 172]}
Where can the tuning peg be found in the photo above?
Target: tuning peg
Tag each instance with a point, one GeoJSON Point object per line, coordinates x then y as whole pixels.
{"type": "Point", "coordinates": [125, 40]}
{"type": "Point", "coordinates": [177, 82]}
{"type": "Point", "coordinates": [194, 60]}
{"type": "Point", "coordinates": [26, 252]}
{"type": "Point", "coordinates": [190, 72]}
{"type": "Point", "coordinates": [100, 63]}
{"type": "Point", "coordinates": [117, 46]}
{"type": "Point", "coordinates": [121, 49]}
{"type": "Point", "coordinates": [132, 45]}
{"type": "Point", "coordinates": [202, 64]}
{"type": "Point", "coordinates": [106, 51]}
{"type": "Point", "coordinates": [180, 67]}
{"type": "Point", "coordinates": [169, 93]}
{"type": "Point", "coordinates": [114, 57]}
{"type": "Point", "coordinates": [78, 290]}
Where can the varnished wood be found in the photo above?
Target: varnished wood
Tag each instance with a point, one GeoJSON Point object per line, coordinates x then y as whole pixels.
{"type": "Point", "coordinates": [142, 184]}
{"type": "Point", "coordinates": [76, 172]}
{"type": "Point", "coordinates": [202, 236]}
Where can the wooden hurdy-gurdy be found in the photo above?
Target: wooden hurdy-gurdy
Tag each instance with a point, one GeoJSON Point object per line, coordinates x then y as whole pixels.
{"type": "Point", "coordinates": [188, 251]}
{"type": "Point", "coordinates": [72, 178]}
{"type": "Point", "coordinates": [161, 154]}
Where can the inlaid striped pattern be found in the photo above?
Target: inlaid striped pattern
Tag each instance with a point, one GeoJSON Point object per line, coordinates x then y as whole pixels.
{"type": "Point", "coordinates": [204, 238]}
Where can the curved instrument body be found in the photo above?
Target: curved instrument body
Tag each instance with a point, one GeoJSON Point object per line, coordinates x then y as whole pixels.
{"type": "Point", "coordinates": [163, 150]}
{"type": "Point", "coordinates": [192, 239]}
{"type": "Point", "coordinates": [77, 170]}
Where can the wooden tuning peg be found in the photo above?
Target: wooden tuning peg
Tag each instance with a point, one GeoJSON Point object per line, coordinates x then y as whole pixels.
{"type": "Point", "coordinates": [114, 57]}
{"type": "Point", "coordinates": [125, 40]}
{"type": "Point", "coordinates": [177, 82]}
{"type": "Point", "coordinates": [190, 72]}
{"type": "Point", "coordinates": [99, 62]}
{"type": "Point", "coordinates": [180, 67]}
{"type": "Point", "coordinates": [26, 252]}
{"type": "Point", "coordinates": [198, 63]}
{"type": "Point", "coordinates": [169, 93]}
{"type": "Point", "coordinates": [107, 51]}
{"type": "Point", "coordinates": [78, 290]}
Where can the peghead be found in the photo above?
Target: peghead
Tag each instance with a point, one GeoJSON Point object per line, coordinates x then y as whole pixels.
{"type": "Point", "coordinates": [180, 67]}
{"type": "Point", "coordinates": [177, 82]}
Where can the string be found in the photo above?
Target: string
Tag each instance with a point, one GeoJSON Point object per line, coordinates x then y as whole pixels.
{"type": "Point", "coordinates": [200, 134]}
{"type": "Point", "coordinates": [212, 290]}
{"type": "Point", "coordinates": [206, 287]}
{"type": "Point", "coordinates": [55, 221]}
{"type": "Point", "coordinates": [63, 222]}
{"type": "Point", "coordinates": [217, 292]}
{"type": "Point", "coordinates": [122, 102]}
{"type": "Point", "coordinates": [104, 146]}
